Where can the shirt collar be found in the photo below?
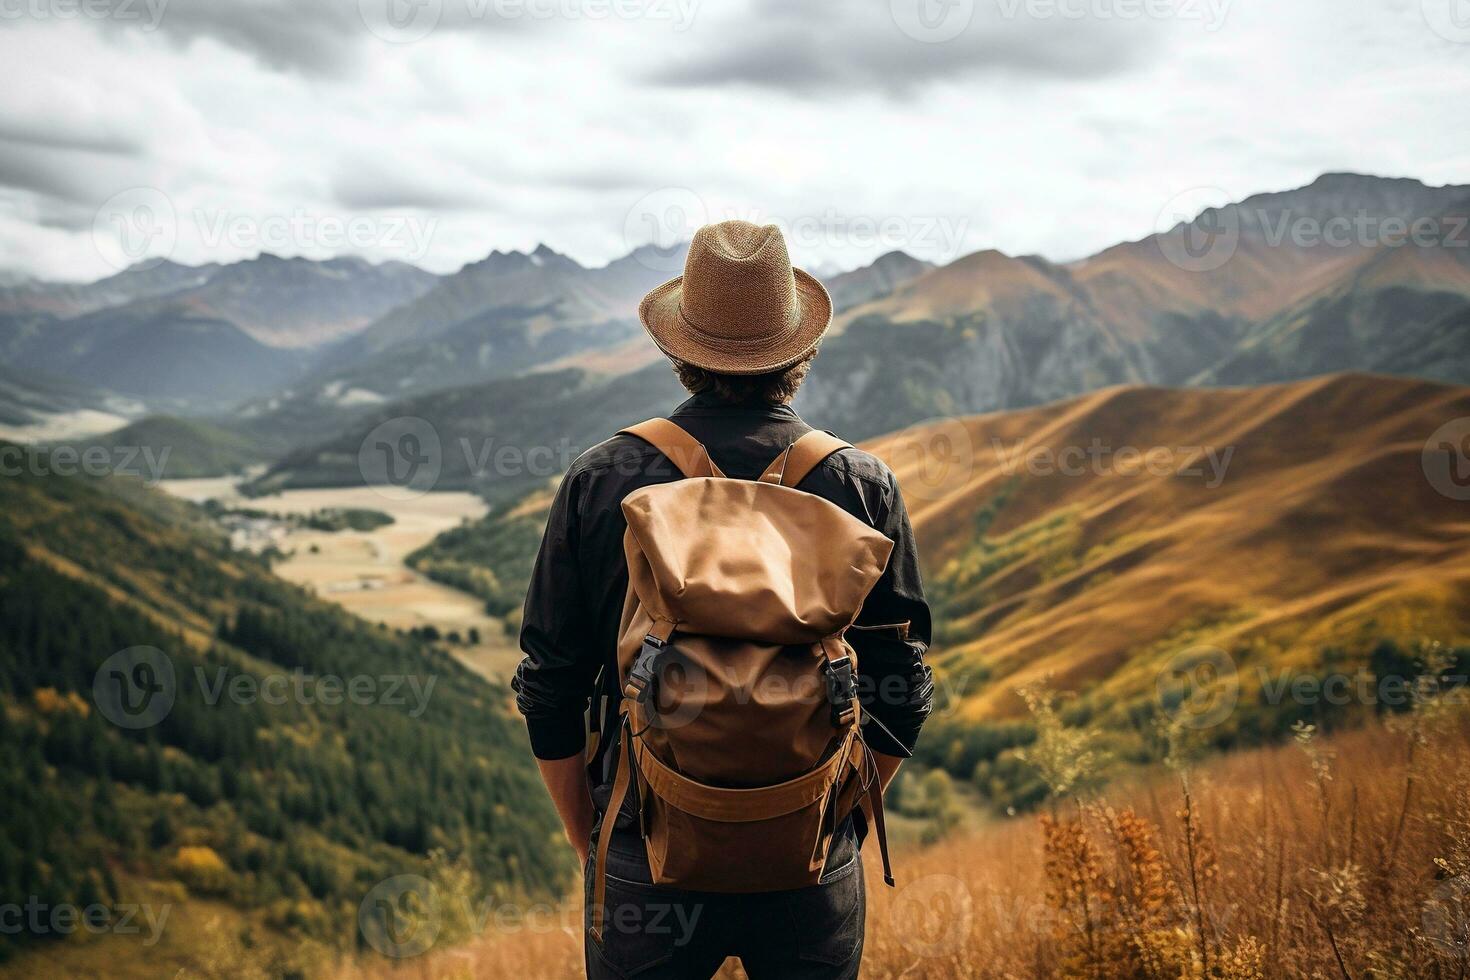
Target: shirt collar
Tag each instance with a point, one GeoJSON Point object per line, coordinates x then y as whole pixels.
{"type": "Point", "coordinates": [710, 404]}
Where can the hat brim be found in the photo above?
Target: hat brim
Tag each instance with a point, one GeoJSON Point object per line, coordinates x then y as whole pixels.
{"type": "Point", "coordinates": [663, 318]}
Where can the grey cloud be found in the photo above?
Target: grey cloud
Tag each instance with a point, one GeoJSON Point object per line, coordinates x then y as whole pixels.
{"type": "Point", "coordinates": [316, 37]}
{"type": "Point", "coordinates": [801, 48]}
{"type": "Point", "coordinates": [610, 179]}
{"type": "Point", "coordinates": [319, 37]}
{"type": "Point", "coordinates": [64, 215]}
{"type": "Point", "coordinates": [367, 188]}
{"type": "Point", "coordinates": [27, 169]}
{"type": "Point", "coordinates": [62, 135]}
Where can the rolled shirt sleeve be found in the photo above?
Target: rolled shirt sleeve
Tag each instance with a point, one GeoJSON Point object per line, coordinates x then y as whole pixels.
{"type": "Point", "coordinates": [891, 637]}
{"type": "Point", "coordinates": [554, 681]}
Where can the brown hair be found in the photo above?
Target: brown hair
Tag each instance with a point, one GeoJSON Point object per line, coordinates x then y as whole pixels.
{"type": "Point", "coordinates": [774, 388]}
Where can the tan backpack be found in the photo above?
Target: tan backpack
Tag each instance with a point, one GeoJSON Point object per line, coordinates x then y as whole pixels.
{"type": "Point", "coordinates": [738, 726]}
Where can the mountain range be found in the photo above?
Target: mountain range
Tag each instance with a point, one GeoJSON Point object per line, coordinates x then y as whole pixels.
{"type": "Point", "coordinates": [302, 358]}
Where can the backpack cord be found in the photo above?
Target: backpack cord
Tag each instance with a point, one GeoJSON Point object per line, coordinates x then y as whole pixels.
{"type": "Point", "coordinates": [873, 787]}
{"type": "Point", "coordinates": [623, 777]}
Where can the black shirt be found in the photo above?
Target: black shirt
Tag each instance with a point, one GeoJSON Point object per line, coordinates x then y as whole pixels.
{"type": "Point", "coordinates": [575, 602]}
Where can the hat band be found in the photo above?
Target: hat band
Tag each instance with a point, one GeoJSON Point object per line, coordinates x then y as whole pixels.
{"type": "Point", "coordinates": [757, 344]}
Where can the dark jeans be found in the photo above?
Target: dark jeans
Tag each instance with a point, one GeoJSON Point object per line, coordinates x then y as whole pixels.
{"type": "Point", "coordinates": [658, 933]}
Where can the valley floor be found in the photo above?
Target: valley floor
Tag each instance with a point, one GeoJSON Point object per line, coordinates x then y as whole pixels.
{"type": "Point", "coordinates": [364, 572]}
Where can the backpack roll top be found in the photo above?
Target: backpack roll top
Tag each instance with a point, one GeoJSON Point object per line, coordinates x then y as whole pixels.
{"type": "Point", "coordinates": [756, 561]}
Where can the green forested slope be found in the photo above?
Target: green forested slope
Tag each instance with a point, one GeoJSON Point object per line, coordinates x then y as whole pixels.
{"type": "Point", "coordinates": [253, 791]}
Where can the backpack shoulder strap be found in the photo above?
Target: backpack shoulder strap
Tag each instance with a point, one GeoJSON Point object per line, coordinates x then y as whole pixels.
{"type": "Point", "coordinates": [801, 457]}
{"type": "Point", "coordinates": [682, 449]}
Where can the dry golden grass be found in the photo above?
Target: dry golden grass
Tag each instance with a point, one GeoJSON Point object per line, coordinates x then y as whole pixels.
{"type": "Point", "coordinates": [1348, 857]}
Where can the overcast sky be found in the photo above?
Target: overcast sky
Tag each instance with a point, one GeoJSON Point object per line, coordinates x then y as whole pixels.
{"type": "Point", "coordinates": [436, 130]}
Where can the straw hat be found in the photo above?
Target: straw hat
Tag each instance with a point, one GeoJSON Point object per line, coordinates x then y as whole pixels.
{"type": "Point", "coordinates": [739, 307]}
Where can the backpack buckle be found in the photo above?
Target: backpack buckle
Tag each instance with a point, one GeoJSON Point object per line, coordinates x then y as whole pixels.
{"type": "Point", "coordinates": [841, 690]}
{"type": "Point", "coordinates": [644, 672]}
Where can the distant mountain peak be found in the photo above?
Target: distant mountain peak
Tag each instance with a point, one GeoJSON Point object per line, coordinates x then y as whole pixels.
{"type": "Point", "coordinates": [1351, 178]}
{"type": "Point", "coordinates": [651, 249]}
{"type": "Point", "coordinates": [501, 262]}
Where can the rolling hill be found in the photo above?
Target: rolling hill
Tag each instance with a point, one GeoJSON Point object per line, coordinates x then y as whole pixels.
{"type": "Point", "coordinates": [1291, 526]}
{"type": "Point", "coordinates": [31, 401]}
{"type": "Point", "coordinates": [183, 447]}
